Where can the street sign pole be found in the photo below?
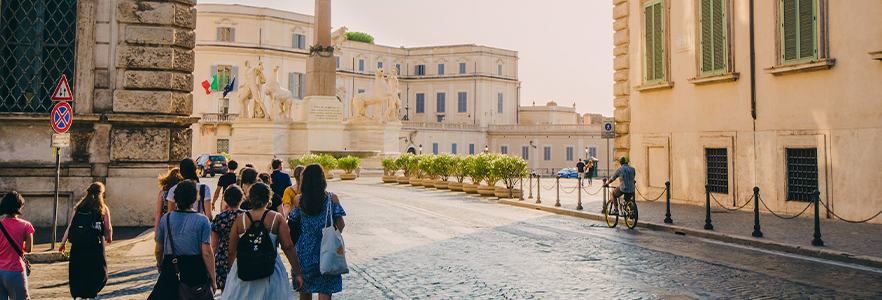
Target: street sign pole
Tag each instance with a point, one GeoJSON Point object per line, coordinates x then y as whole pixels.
{"type": "Point", "coordinates": [55, 207]}
{"type": "Point", "coordinates": [61, 118]}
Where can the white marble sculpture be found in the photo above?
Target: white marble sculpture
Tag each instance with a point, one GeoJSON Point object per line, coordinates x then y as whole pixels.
{"type": "Point", "coordinates": [279, 96]}
{"type": "Point", "coordinates": [394, 104]}
{"type": "Point", "coordinates": [251, 92]}
{"type": "Point", "coordinates": [378, 96]}
{"type": "Point", "coordinates": [338, 37]}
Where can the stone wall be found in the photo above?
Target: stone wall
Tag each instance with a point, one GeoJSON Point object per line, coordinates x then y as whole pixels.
{"type": "Point", "coordinates": [622, 86]}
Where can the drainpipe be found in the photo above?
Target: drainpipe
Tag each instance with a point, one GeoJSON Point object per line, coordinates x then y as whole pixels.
{"type": "Point", "coordinates": [753, 92]}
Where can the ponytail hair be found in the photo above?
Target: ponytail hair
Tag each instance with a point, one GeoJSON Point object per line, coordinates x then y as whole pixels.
{"type": "Point", "coordinates": [94, 198]}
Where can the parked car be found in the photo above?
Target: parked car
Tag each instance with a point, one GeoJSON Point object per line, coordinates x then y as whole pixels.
{"type": "Point", "coordinates": [209, 164]}
{"type": "Point", "coordinates": [568, 173]}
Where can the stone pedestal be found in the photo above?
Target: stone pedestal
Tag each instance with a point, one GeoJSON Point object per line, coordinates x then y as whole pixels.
{"type": "Point", "coordinates": [256, 141]}
{"type": "Point", "coordinates": [323, 116]}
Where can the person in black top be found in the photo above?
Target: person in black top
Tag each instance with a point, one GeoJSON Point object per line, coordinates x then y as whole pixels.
{"type": "Point", "coordinates": [225, 181]}
{"type": "Point", "coordinates": [280, 182]}
{"type": "Point", "coordinates": [580, 167]}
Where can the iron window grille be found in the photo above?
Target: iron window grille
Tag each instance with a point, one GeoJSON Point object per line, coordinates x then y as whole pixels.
{"type": "Point", "coordinates": [802, 174]}
{"type": "Point", "coordinates": [717, 170]}
{"type": "Point", "coordinates": [223, 146]}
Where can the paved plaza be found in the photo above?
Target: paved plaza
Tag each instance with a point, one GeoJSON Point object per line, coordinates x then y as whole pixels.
{"type": "Point", "coordinates": [415, 243]}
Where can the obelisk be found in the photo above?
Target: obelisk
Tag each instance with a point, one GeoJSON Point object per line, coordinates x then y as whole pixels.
{"type": "Point", "coordinates": [321, 67]}
{"type": "Point", "coordinates": [321, 110]}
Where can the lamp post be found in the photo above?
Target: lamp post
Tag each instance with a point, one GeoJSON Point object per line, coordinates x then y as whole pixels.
{"type": "Point", "coordinates": [586, 153]}
{"type": "Point", "coordinates": [421, 149]}
{"type": "Point", "coordinates": [406, 112]}
{"type": "Point", "coordinates": [486, 149]}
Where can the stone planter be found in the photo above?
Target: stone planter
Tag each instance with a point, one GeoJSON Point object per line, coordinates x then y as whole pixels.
{"type": "Point", "coordinates": [503, 193]}
{"type": "Point", "coordinates": [348, 176]}
{"type": "Point", "coordinates": [470, 188]}
{"type": "Point", "coordinates": [390, 179]}
{"type": "Point", "coordinates": [487, 191]}
{"type": "Point", "coordinates": [455, 186]}
{"type": "Point", "coordinates": [442, 184]}
{"type": "Point", "coordinates": [416, 182]}
{"type": "Point", "coordinates": [329, 176]}
{"type": "Point", "coordinates": [429, 183]}
{"type": "Point", "coordinates": [403, 180]}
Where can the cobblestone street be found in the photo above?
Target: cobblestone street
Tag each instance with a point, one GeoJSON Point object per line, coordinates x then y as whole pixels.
{"type": "Point", "coordinates": [416, 243]}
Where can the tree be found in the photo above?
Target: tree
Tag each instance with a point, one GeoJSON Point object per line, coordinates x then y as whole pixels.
{"type": "Point", "coordinates": [360, 37]}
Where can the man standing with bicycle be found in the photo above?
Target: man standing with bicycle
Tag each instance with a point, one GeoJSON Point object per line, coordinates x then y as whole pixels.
{"type": "Point", "coordinates": [626, 188]}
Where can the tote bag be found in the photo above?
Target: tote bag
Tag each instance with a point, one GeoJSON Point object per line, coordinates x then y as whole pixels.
{"type": "Point", "coordinates": [332, 260]}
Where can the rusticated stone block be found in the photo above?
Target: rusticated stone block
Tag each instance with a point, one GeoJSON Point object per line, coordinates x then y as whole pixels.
{"type": "Point", "coordinates": [622, 37]}
{"type": "Point", "coordinates": [102, 101]}
{"type": "Point", "coordinates": [181, 141]}
{"type": "Point", "coordinates": [620, 75]}
{"type": "Point", "coordinates": [144, 12]}
{"type": "Point", "coordinates": [622, 62]}
{"type": "Point", "coordinates": [162, 58]}
{"type": "Point", "coordinates": [620, 50]}
{"type": "Point", "coordinates": [621, 102]}
{"type": "Point", "coordinates": [182, 104]}
{"type": "Point", "coordinates": [623, 128]}
{"type": "Point", "coordinates": [139, 144]}
{"type": "Point", "coordinates": [622, 114]}
{"type": "Point", "coordinates": [185, 60]}
{"type": "Point", "coordinates": [622, 88]}
{"type": "Point", "coordinates": [622, 142]}
{"type": "Point", "coordinates": [620, 10]}
{"type": "Point", "coordinates": [187, 2]}
{"type": "Point", "coordinates": [185, 38]}
{"type": "Point", "coordinates": [150, 35]}
{"type": "Point", "coordinates": [128, 101]}
{"type": "Point", "coordinates": [185, 16]}
{"type": "Point", "coordinates": [102, 79]}
{"type": "Point", "coordinates": [620, 24]}
{"type": "Point", "coordinates": [158, 80]}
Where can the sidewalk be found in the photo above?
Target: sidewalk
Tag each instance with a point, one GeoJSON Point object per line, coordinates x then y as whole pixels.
{"type": "Point", "coordinates": [40, 252]}
{"type": "Point", "coordinates": [846, 242]}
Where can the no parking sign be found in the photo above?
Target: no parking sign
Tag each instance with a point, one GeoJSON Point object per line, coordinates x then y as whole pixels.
{"type": "Point", "coordinates": [61, 117]}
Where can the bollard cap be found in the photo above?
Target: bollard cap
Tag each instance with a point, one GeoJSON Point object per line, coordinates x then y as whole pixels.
{"type": "Point", "coordinates": [816, 193]}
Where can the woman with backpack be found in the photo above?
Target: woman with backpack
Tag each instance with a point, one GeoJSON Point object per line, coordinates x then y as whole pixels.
{"type": "Point", "coordinates": [19, 238]}
{"type": "Point", "coordinates": [308, 219]}
{"type": "Point", "coordinates": [256, 269]}
{"type": "Point", "coordinates": [166, 182]}
{"type": "Point", "coordinates": [88, 230]}
{"type": "Point", "coordinates": [183, 250]}
{"type": "Point", "coordinates": [220, 232]}
{"type": "Point", "coordinates": [203, 205]}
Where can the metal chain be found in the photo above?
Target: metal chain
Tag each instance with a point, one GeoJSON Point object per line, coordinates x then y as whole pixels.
{"type": "Point", "coordinates": [729, 209]}
{"type": "Point", "coordinates": [548, 189]}
{"type": "Point", "coordinates": [584, 188]}
{"type": "Point", "coordinates": [785, 218]}
{"type": "Point", "coordinates": [653, 200]}
{"type": "Point", "coordinates": [849, 221]}
{"type": "Point", "coordinates": [571, 191]}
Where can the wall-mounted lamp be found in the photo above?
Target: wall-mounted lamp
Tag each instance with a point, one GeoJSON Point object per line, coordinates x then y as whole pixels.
{"type": "Point", "coordinates": [421, 148]}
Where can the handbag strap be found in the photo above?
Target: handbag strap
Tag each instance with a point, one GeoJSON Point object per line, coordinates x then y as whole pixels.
{"type": "Point", "coordinates": [9, 239]}
{"type": "Point", "coordinates": [172, 242]}
{"type": "Point", "coordinates": [328, 210]}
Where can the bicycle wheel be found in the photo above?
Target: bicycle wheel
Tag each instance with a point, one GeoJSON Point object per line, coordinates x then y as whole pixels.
{"type": "Point", "coordinates": [611, 219]}
{"type": "Point", "coordinates": [630, 214]}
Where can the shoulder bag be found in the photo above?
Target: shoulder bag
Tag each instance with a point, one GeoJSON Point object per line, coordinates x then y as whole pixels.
{"type": "Point", "coordinates": [200, 292]}
{"type": "Point", "coordinates": [17, 249]}
{"type": "Point", "coordinates": [333, 253]}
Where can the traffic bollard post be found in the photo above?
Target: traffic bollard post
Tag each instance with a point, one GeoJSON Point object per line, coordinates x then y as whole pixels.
{"type": "Point", "coordinates": [707, 219]}
{"type": "Point", "coordinates": [579, 198]}
{"type": "Point", "coordinates": [557, 183]}
{"type": "Point", "coordinates": [756, 225]}
{"type": "Point", "coordinates": [605, 196]}
{"type": "Point", "coordinates": [531, 187]}
{"type": "Point", "coordinates": [668, 219]}
{"type": "Point", "coordinates": [817, 241]}
{"type": "Point", "coordinates": [538, 189]}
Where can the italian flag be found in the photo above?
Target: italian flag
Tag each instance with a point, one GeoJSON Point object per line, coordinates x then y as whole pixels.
{"type": "Point", "coordinates": [210, 84]}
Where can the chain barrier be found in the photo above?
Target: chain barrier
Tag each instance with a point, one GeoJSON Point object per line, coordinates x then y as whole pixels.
{"type": "Point", "coordinates": [730, 209]}
{"type": "Point", "coordinates": [849, 221]}
{"type": "Point", "coordinates": [585, 188]}
{"type": "Point", "coordinates": [653, 200]}
{"type": "Point", "coordinates": [571, 191]}
{"type": "Point", "coordinates": [785, 218]}
{"type": "Point", "coordinates": [548, 189]}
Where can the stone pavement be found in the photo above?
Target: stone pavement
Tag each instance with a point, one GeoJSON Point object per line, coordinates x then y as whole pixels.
{"type": "Point", "coordinates": [857, 243]}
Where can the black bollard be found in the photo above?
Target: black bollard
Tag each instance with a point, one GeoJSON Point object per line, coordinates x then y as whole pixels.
{"type": "Point", "coordinates": [817, 241]}
{"type": "Point", "coordinates": [557, 183]}
{"type": "Point", "coordinates": [707, 219]}
{"type": "Point", "coordinates": [579, 199]}
{"type": "Point", "coordinates": [756, 225]}
{"type": "Point", "coordinates": [538, 189]}
{"type": "Point", "coordinates": [605, 196]}
{"type": "Point", "coordinates": [668, 219]}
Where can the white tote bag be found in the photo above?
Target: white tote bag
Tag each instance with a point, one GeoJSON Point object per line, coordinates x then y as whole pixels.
{"type": "Point", "coordinates": [333, 252]}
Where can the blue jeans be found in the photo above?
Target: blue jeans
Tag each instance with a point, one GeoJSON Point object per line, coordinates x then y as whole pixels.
{"type": "Point", "coordinates": [13, 285]}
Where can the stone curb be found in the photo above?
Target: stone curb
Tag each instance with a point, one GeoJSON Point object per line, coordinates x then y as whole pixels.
{"type": "Point", "coordinates": [727, 238]}
{"type": "Point", "coordinates": [53, 256]}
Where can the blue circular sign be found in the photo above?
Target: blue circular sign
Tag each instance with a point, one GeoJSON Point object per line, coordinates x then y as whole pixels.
{"type": "Point", "coordinates": [608, 126]}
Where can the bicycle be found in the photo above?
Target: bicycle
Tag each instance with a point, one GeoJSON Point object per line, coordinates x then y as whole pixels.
{"type": "Point", "coordinates": [628, 210]}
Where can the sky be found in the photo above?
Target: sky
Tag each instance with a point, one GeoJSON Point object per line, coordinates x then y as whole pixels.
{"type": "Point", "coordinates": [564, 46]}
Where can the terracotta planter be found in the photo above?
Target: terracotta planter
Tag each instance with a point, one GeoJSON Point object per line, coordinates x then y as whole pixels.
{"type": "Point", "coordinates": [503, 193]}
{"type": "Point", "coordinates": [403, 180]}
{"type": "Point", "coordinates": [329, 176]}
{"type": "Point", "coordinates": [429, 183]}
{"type": "Point", "coordinates": [442, 184]}
{"type": "Point", "coordinates": [455, 186]}
{"type": "Point", "coordinates": [470, 188]}
{"type": "Point", "coordinates": [390, 179]}
{"type": "Point", "coordinates": [487, 191]}
{"type": "Point", "coordinates": [416, 182]}
{"type": "Point", "coordinates": [348, 176]}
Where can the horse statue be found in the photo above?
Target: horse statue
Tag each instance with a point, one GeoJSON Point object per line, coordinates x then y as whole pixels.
{"type": "Point", "coordinates": [378, 96]}
{"type": "Point", "coordinates": [279, 95]}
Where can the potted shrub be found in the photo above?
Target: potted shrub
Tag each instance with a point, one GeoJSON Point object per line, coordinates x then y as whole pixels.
{"type": "Point", "coordinates": [309, 159]}
{"type": "Point", "coordinates": [328, 163]}
{"type": "Point", "coordinates": [390, 166]}
{"type": "Point", "coordinates": [413, 167]}
{"type": "Point", "coordinates": [402, 162]}
{"type": "Point", "coordinates": [509, 170]}
{"type": "Point", "coordinates": [443, 164]}
{"type": "Point", "coordinates": [458, 171]}
{"type": "Point", "coordinates": [485, 162]}
{"type": "Point", "coordinates": [348, 164]}
{"type": "Point", "coordinates": [428, 166]}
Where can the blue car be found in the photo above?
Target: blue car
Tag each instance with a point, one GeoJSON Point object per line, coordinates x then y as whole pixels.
{"type": "Point", "coordinates": [568, 173]}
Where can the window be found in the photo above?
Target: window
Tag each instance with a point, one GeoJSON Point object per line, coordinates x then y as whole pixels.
{"type": "Point", "coordinates": [462, 68]}
{"type": "Point", "coordinates": [799, 30]}
{"type": "Point", "coordinates": [435, 148]}
{"type": "Point", "coordinates": [379, 65]}
{"type": "Point", "coordinates": [299, 41]}
{"type": "Point", "coordinates": [453, 148]}
{"type": "Point", "coordinates": [525, 152]}
{"type": "Point", "coordinates": [361, 65]}
{"type": "Point", "coordinates": [717, 170]}
{"type": "Point", "coordinates": [398, 67]}
{"type": "Point", "coordinates": [420, 103]}
{"type": "Point", "coordinates": [440, 101]}
{"type": "Point", "coordinates": [223, 146]}
{"type": "Point", "coordinates": [223, 105]}
{"type": "Point", "coordinates": [225, 75]}
{"type": "Point", "coordinates": [226, 34]}
{"type": "Point", "coordinates": [361, 91]}
{"type": "Point", "coordinates": [546, 153]}
{"type": "Point", "coordinates": [440, 69]}
{"type": "Point", "coordinates": [802, 174]}
{"type": "Point", "coordinates": [569, 153]}
{"type": "Point", "coordinates": [471, 149]}
{"type": "Point", "coordinates": [503, 149]}
{"type": "Point", "coordinates": [338, 61]}
{"type": "Point", "coordinates": [33, 58]}
{"type": "Point", "coordinates": [654, 46]}
{"type": "Point", "coordinates": [592, 151]}
{"type": "Point", "coordinates": [713, 37]}
{"type": "Point", "coordinates": [440, 118]}
{"type": "Point", "coordinates": [499, 70]}
{"type": "Point", "coordinates": [296, 84]}
{"type": "Point", "coordinates": [462, 102]}
{"type": "Point", "coordinates": [499, 104]}
{"type": "Point", "coordinates": [419, 70]}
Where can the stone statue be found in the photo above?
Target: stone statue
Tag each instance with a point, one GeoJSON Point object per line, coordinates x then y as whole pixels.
{"type": "Point", "coordinates": [378, 96]}
{"type": "Point", "coordinates": [338, 37]}
{"type": "Point", "coordinates": [279, 95]}
{"type": "Point", "coordinates": [251, 92]}
{"type": "Point", "coordinates": [394, 105]}
{"type": "Point", "coordinates": [341, 89]}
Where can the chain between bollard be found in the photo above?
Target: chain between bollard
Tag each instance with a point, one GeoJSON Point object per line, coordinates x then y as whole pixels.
{"type": "Point", "coordinates": [592, 194]}
{"type": "Point", "coordinates": [647, 199]}
{"type": "Point", "coordinates": [785, 218]}
{"type": "Point", "coordinates": [846, 220]}
{"type": "Point", "coordinates": [730, 209]}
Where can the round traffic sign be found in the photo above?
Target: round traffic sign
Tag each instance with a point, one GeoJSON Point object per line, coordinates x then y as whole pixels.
{"type": "Point", "coordinates": [61, 117]}
{"type": "Point", "coordinates": [607, 126]}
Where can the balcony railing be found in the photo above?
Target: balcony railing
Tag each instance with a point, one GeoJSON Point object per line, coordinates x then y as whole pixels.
{"type": "Point", "coordinates": [425, 125]}
{"type": "Point", "coordinates": [218, 118]}
{"type": "Point", "coordinates": [545, 128]}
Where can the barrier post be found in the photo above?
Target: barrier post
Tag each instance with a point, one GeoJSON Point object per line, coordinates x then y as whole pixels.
{"type": "Point", "coordinates": [605, 196]}
{"type": "Point", "coordinates": [531, 186]}
{"type": "Point", "coordinates": [538, 189]}
{"type": "Point", "coordinates": [707, 219]}
{"type": "Point", "coordinates": [756, 224]}
{"type": "Point", "coordinates": [817, 241]}
{"type": "Point", "coordinates": [557, 183]}
{"type": "Point", "coordinates": [579, 198]}
{"type": "Point", "coordinates": [668, 219]}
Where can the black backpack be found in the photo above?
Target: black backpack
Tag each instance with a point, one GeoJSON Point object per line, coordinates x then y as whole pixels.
{"type": "Point", "coordinates": [256, 253]}
{"type": "Point", "coordinates": [82, 228]}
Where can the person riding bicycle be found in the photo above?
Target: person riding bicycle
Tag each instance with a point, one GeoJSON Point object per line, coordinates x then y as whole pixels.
{"type": "Point", "coordinates": [626, 173]}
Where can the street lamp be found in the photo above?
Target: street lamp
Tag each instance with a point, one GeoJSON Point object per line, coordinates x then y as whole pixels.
{"type": "Point", "coordinates": [421, 148]}
{"type": "Point", "coordinates": [486, 149]}
{"type": "Point", "coordinates": [406, 112]}
{"type": "Point", "coordinates": [586, 152]}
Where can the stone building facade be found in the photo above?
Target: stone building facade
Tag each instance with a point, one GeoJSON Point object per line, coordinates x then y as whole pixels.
{"type": "Point", "coordinates": [685, 114]}
{"type": "Point", "coordinates": [130, 66]}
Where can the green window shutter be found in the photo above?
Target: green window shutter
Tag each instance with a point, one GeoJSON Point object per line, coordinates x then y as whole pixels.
{"type": "Point", "coordinates": [719, 41]}
{"type": "Point", "coordinates": [647, 45]}
{"type": "Point", "coordinates": [799, 30]}
{"type": "Point", "coordinates": [654, 42]}
{"type": "Point", "coordinates": [788, 30]}
{"type": "Point", "coordinates": [707, 45]}
{"type": "Point", "coordinates": [807, 29]}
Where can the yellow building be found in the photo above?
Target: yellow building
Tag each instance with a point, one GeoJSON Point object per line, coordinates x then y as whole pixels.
{"type": "Point", "coordinates": [685, 112]}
